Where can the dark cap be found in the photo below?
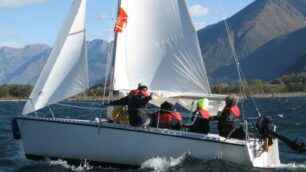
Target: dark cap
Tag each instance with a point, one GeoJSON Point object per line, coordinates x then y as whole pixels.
{"type": "Point", "coordinates": [167, 106]}
{"type": "Point", "coordinates": [142, 86]}
{"type": "Point", "coordinates": [231, 100]}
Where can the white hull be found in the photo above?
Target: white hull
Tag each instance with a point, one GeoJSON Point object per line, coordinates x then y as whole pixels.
{"type": "Point", "coordinates": [121, 144]}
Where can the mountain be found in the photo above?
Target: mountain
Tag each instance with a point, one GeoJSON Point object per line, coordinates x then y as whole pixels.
{"type": "Point", "coordinates": [29, 70]}
{"type": "Point", "coordinates": [298, 67]}
{"type": "Point", "coordinates": [23, 65]}
{"type": "Point", "coordinates": [16, 60]}
{"type": "Point", "coordinates": [282, 55]}
{"type": "Point", "coordinates": [252, 28]}
{"type": "Point", "coordinates": [269, 37]}
{"type": "Point", "coordinates": [98, 51]}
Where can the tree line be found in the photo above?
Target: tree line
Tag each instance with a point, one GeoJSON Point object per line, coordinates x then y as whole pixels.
{"type": "Point", "coordinates": [15, 91]}
{"type": "Point", "coordinates": [284, 84]}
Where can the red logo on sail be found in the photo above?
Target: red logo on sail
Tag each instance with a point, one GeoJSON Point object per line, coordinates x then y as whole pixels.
{"type": "Point", "coordinates": [40, 94]}
{"type": "Point", "coordinates": [121, 21]}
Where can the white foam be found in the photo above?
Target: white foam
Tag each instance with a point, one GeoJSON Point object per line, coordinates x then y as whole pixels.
{"type": "Point", "coordinates": [83, 166]}
{"type": "Point", "coordinates": [292, 166]}
{"type": "Point", "coordinates": [161, 164]}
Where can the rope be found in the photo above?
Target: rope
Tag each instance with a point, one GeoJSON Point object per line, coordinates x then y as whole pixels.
{"type": "Point", "coordinates": [231, 43]}
{"type": "Point", "coordinates": [92, 93]}
{"type": "Point", "coordinates": [109, 52]}
{"type": "Point", "coordinates": [80, 107]}
{"type": "Point", "coordinates": [239, 69]}
{"type": "Point", "coordinates": [92, 104]}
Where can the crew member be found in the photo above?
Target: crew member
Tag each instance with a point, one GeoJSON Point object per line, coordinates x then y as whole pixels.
{"type": "Point", "coordinates": [229, 123]}
{"type": "Point", "coordinates": [200, 118]}
{"type": "Point", "coordinates": [136, 101]}
{"type": "Point", "coordinates": [166, 117]}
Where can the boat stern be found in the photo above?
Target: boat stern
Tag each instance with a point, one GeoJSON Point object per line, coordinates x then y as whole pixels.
{"type": "Point", "coordinates": [262, 155]}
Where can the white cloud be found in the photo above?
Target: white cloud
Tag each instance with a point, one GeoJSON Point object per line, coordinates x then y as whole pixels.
{"type": "Point", "coordinates": [198, 11]}
{"type": "Point", "coordinates": [11, 44]}
{"type": "Point", "coordinates": [200, 25]}
{"type": "Point", "coordinates": [8, 34]}
{"type": "Point", "coordinates": [9, 38]}
{"type": "Point", "coordinates": [7, 3]}
{"type": "Point", "coordinates": [220, 14]}
{"type": "Point", "coordinates": [101, 16]}
{"type": "Point", "coordinates": [98, 34]}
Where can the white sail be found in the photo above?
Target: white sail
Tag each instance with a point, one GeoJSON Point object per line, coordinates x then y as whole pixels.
{"type": "Point", "coordinates": [158, 46]}
{"type": "Point", "coordinates": [66, 71]}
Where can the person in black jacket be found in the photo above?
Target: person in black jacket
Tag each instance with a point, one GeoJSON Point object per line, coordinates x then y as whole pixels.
{"type": "Point", "coordinates": [136, 102]}
{"type": "Point", "coordinates": [229, 123]}
{"type": "Point", "coordinates": [200, 118]}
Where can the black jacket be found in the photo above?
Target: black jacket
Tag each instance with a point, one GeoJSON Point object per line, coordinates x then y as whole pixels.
{"type": "Point", "coordinates": [199, 124]}
{"type": "Point", "coordinates": [136, 107]}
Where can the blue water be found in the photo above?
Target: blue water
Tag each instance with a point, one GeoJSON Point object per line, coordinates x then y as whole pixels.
{"type": "Point", "coordinates": [289, 114]}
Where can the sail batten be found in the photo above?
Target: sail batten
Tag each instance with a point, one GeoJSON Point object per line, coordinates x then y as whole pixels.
{"type": "Point", "coordinates": [65, 73]}
{"type": "Point", "coordinates": [159, 47]}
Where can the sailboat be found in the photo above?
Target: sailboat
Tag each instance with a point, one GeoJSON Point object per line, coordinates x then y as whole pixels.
{"type": "Point", "coordinates": [155, 44]}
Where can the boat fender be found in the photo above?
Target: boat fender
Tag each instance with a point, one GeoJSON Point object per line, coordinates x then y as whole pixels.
{"type": "Point", "coordinates": [267, 144]}
{"type": "Point", "coordinates": [120, 115]}
{"type": "Point", "coordinates": [15, 129]}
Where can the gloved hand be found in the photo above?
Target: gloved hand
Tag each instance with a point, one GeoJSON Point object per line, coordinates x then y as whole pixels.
{"type": "Point", "coordinates": [151, 96]}
{"type": "Point", "coordinates": [106, 103]}
{"type": "Point", "coordinates": [187, 125]}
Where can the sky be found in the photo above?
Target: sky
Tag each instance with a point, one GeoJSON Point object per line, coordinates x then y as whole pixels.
{"type": "Point", "coordinates": [24, 22]}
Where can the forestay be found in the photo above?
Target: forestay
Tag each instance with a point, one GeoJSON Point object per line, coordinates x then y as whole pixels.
{"type": "Point", "coordinates": [66, 71]}
{"type": "Point", "coordinates": [158, 46]}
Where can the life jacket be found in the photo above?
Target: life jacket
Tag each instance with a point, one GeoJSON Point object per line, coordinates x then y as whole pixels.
{"type": "Point", "coordinates": [137, 92]}
{"type": "Point", "coordinates": [177, 116]}
{"type": "Point", "coordinates": [204, 114]}
{"type": "Point", "coordinates": [234, 109]}
{"type": "Point", "coordinates": [167, 117]}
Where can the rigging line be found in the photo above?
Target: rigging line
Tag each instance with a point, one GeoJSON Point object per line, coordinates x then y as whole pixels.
{"type": "Point", "coordinates": [109, 52]}
{"type": "Point", "coordinates": [250, 92]}
{"type": "Point", "coordinates": [80, 107]}
{"type": "Point", "coordinates": [232, 46]}
{"type": "Point", "coordinates": [19, 107]}
{"type": "Point", "coordinates": [86, 55]}
{"type": "Point", "coordinates": [108, 68]}
{"type": "Point", "coordinates": [84, 103]}
{"type": "Point", "coordinates": [239, 69]}
{"type": "Point", "coordinates": [106, 71]}
{"type": "Point", "coordinates": [92, 104]}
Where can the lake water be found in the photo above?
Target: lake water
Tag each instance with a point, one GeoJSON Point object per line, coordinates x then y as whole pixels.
{"type": "Point", "coordinates": [289, 114]}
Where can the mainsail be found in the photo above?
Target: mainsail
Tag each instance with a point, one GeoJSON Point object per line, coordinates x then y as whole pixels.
{"type": "Point", "coordinates": [158, 46]}
{"type": "Point", "coordinates": [66, 71]}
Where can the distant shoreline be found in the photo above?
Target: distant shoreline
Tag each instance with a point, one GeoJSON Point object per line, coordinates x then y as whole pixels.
{"type": "Point", "coordinates": [267, 95]}
{"type": "Point", "coordinates": [280, 95]}
{"type": "Point", "coordinates": [11, 100]}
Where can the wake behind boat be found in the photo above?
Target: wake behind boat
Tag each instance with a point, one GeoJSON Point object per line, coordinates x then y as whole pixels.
{"type": "Point", "coordinates": [156, 44]}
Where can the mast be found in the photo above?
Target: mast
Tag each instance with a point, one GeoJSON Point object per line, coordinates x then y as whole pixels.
{"type": "Point", "coordinates": [113, 58]}
{"type": "Point", "coordinates": [114, 53]}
